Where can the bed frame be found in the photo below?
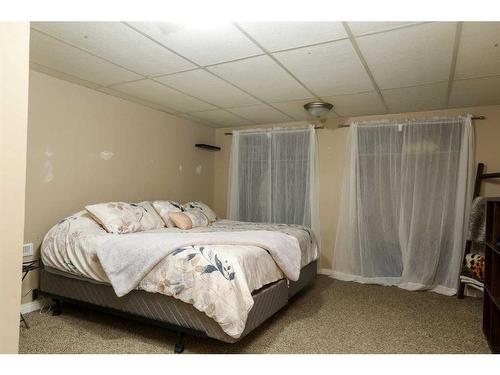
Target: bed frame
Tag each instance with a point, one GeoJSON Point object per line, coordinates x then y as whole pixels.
{"type": "Point", "coordinates": [166, 311]}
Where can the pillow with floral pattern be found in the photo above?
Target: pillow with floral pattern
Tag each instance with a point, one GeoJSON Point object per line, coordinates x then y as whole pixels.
{"type": "Point", "coordinates": [150, 220]}
{"type": "Point", "coordinates": [165, 208]}
{"type": "Point", "coordinates": [211, 215]}
{"type": "Point", "coordinates": [121, 217]}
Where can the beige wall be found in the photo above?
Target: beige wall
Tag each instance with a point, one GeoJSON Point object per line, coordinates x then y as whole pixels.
{"type": "Point", "coordinates": [14, 51]}
{"type": "Point", "coordinates": [332, 144]}
{"type": "Point", "coordinates": [70, 127]}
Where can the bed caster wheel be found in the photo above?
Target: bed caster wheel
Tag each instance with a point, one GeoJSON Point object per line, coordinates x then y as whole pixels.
{"type": "Point", "coordinates": [179, 345]}
{"type": "Point", "coordinates": [57, 308]}
{"type": "Point", "coordinates": [179, 348]}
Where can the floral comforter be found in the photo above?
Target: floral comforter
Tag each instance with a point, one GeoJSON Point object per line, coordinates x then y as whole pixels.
{"type": "Point", "coordinates": [216, 279]}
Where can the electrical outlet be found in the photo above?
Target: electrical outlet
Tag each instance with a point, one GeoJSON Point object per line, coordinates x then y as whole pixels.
{"type": "Point", "coordinates": [27, 250]}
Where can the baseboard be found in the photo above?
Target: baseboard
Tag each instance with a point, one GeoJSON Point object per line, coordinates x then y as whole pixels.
{"type": "Point", "coordinates": [324, 271]}
{"type": "Point", "coordinates": [33, 305]}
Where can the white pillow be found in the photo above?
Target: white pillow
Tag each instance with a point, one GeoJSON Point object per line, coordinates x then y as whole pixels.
{"type": "Point", "coordinates": [165, 208]}
{"type": "Point", "coordinates": [117, 217]}
{"type": "Point", "coordinates": [211, 215]}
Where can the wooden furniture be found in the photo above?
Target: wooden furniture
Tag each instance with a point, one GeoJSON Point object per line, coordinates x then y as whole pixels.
{"type": "Point", "coordinates": [491, 309]}
{"type": "Point", "coordinates": [480, 176]}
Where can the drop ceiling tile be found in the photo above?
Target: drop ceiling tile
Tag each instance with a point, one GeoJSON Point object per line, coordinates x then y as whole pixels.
{"type": "Point", "coordinates": [196, 119]}
{"type": "Point", "coordinates": [276, 36]}
{"type": "Point", "coordinates": [210, 44]}
{"type": "Point", "coordinates": [366, 103]}
{"type": "Point", "coordinates": [360, 28]}
{"type": "Point", "coordinates": [479, 50]}
{"type": "Point", "coordinates": [417, 98]}
{"type": "Point", "coordinates": [118, 43]}
{"type": "Point", "coordinates": [295, 109]}
{"type": "Point", "coordinates": [478, 91]}
{"type": "Point", "coordinates": [160, 94]}
{"type": "Point", "coordinates": [59, 56]}
{"type": "Point", "coordinates": [261, 114]}
{"type": "Point", "coordinates": [208, 87]}
{"type": "Point", "coordinates": [328, 69]}
{"type": "Point", "coordinates": [262, 77]}
{"type": "Point", "coordinates": [221, 118]}
{"type": "Point", "coordinates": [410, 56]}
{"type": "Point", "coordinates": [134, 99]}
{"type": "Point", "coordinates": [63, 76]}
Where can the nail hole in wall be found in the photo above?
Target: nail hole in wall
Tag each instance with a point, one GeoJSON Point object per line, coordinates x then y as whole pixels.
{"type": "Point", "coordinates": [106, 155]}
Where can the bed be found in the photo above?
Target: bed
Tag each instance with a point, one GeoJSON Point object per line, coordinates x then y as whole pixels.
{"type": "Point", "coordinates": [221, 291]}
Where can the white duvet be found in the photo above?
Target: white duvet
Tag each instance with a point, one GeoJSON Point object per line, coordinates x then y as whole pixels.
{"type": "Point", "coordinates": [216, 279]}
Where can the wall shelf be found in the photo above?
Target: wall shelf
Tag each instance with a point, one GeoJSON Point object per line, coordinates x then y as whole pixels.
{"type": "Point", "coordinates": [207, 147]}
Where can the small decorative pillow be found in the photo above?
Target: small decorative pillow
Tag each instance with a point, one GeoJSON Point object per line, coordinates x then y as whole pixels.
{"type": "Point", "coordinates": [150, 219]}
{"type": "Point", "coordinates": [165, 208]}
{"type": "Point", "coordinates": [189, 219]}
{"type": "Point", "coordinates": [475, 264]}
{"type": "Point", "coordinates": [117, 217]}
{"type": "Point", "coordinates": [211, 215]}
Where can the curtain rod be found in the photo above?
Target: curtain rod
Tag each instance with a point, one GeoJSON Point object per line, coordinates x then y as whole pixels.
{"type": "Point", "coordinates": [472, 118]}
{"type": "Point", "coordinates": [316, 127]}
{"type": "Point", "coordinates": [347, 125]}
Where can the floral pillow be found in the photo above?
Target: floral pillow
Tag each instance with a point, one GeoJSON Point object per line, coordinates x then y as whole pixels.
{"type": "Point", "coordinates": [150, 219]}
{"type": "Point", "coordinates": [189, 219]}
{"type": "Point", "coordinates": [121, 217]}
{"type": "Point", "coordinates": [165, 208]}
{"type": "Point", "coordinates": [211, 215]}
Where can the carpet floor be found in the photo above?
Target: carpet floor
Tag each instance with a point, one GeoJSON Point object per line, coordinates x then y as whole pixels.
{"type": "Point", "coordinates": [330, 316]}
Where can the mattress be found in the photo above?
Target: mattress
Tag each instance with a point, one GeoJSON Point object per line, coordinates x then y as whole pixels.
{"type": "Point", "coordinates": [74, 251]}
{"type": "Point", "coordinates": [71, 247]}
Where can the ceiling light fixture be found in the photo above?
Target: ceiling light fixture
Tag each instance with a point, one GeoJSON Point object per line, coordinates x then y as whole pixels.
{"type": "Point", "coordinates": [318, 110]}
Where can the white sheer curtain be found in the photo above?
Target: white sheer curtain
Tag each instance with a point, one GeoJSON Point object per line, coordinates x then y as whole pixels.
{"type": "Point", "coordinates": [274, 177]}
{"type": "Point", "coordinates": [406, 196]}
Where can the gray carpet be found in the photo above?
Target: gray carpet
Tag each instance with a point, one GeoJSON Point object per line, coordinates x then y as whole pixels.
{"type": "Point", "coordinates": [328, 317]}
